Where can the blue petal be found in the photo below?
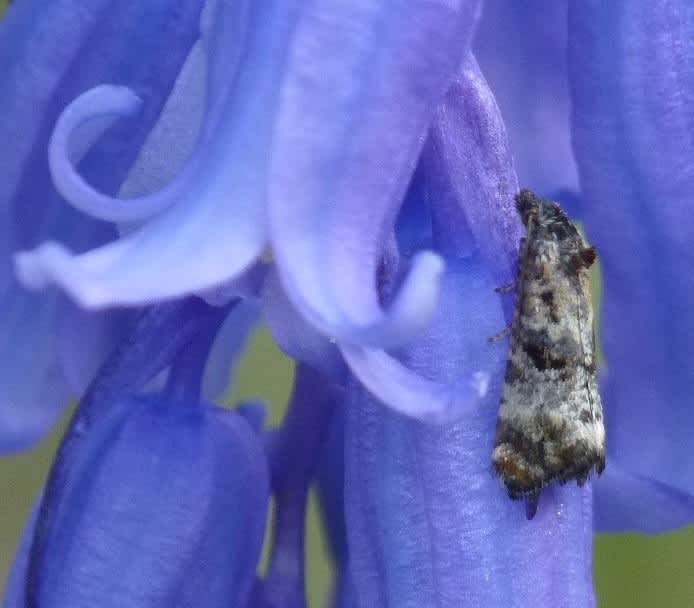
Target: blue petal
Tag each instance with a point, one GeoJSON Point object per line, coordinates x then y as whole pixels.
{"type": "Point", "coordinates": [51, 350]}
{"type": "Point", "coordinates": [330, 478]}
{"type": "Point", "coordinates": [427, 523]}
{"type": "Point", "coordinates": [293, 453]}
{"type": "Point", "coordinates": [176, 131]}
{"type": "Point", "coordinates": [15, 596]}
{"type": "Point", "coordinates": [221, 192]}
{"type": "Point", "coordinates": [152, 513]}
{"type": "Point", "coordinates": [295, 447]}
{"type": "Point", "coordinates": [150, 345]}
{"type": "Point", "coordinates": [412, 394]}
{"type": "Point", "coordinates": [470, 178]}
{"type": "Point", "coordinates": [295, 336]}
{"type": "Point", "coordinates": [39, 74]}
{"type": "Point", "coordinates": [229, 343]}
{"type": "Point", "coordinates": [629, 501]}
{"type": "Point", "coordinates": [101, 102]}
{"type": "Point", "coordinates": [632, 76]}
{"type": "Point", "coordinates": [214, 437]}
{"type": "Point", "coordinates": [91, 43]}
{"type": "Point", "coordinates": [254, 413]}
{"type": "Point", "coordinates": [344, 151]}
{"type": "Point", "coordinates": [521, 47]}
{"type": "Point", "coordinates": [86, 339]}
{"type": "Point", "coordinates": [34, 388]}
{"type": "Point", "coordinates": [466, 178]}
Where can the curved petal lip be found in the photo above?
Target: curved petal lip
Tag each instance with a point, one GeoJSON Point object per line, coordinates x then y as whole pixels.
{"type": "Point", "coordinates": [354, 142]}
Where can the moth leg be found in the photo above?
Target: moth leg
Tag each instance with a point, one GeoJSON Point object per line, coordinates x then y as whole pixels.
{"type": "Point", "coordinates": [500, 336]}
{"type": "Point", "coordinates": [581, 478]}
{"type": "Point", "coordinates": [507, 288]}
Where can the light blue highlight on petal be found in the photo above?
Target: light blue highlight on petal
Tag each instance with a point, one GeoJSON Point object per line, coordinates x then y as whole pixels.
{"type": "Point", "coordinates": [410, 394]}
{"type": "Point", "coordinates": [101, 101]}
{"type": "Point", "coordinates": [344, 150]}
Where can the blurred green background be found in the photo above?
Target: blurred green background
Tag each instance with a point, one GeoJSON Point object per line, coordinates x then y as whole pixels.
{"type": "Point", "coordinates": [631, 570]}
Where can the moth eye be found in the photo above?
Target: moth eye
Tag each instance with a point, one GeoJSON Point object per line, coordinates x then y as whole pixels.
{"type": "Point", "coordinates": [588, 256]}
{"type": "Point", "coordinates": [585, 258]}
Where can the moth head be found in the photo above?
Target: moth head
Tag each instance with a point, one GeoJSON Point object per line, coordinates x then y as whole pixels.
{"type": "Point", "coordinates": [528, 205]}
{"type": "Point", "coordinates": [535, 210]}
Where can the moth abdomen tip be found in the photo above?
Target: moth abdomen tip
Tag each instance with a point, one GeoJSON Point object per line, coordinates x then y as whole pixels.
{"type": "Point", "coordinates": [531, 503]}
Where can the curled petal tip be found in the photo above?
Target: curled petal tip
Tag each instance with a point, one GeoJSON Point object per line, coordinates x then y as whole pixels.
{"type": "Point", "coordinates": [416, 302]}
{"type": "Point", "coordinates": [29, 265]}
{"type": "Point", "coordinates": [139, 269]}
{"type": "Point", "coordinates": [51, 263]}
{"type": "Point", "coordinates": [411, 311]}
{"type": "Point", "coordinates": [409, 393]}
{"type": "Point", "coordinates": [105, 104]}
{"type": "Point", "coordinates": [101, 100]}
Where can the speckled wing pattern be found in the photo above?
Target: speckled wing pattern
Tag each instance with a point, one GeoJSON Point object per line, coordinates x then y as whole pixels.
{"type": "Point", "coordinates": [550, 425]}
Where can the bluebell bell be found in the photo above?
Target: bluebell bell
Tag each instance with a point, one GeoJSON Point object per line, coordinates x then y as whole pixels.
{"type": "Point", "coordinates": [631, 125]}
{"type": "Point", "coordinates": [359, 143]}
{"type": "Point", "coordinates": [138, 477]}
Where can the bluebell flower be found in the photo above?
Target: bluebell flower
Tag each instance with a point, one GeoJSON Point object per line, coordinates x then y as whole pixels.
{"type": "Point", "coordinates": [137, 505]}
{"type": "Point", "coordinates": [633, 111]}
{"type": "Point", "coordinates": [522, 51]}
{"type": "Point", "coordinates": [43, 65]}
{"type": "Point", "coordinates": [342, 166]}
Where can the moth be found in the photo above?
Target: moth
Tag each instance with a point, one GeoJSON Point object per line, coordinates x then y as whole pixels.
{"type": "Point", "coordinates": [550, 425]}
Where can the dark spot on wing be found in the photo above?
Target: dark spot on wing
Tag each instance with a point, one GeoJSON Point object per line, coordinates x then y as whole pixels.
{"type": "Point", "coordinates": [542, 359]}
{"type": "Point", "coordinates": [586, 416]}
{"type": "Point", "coordinates": [548, 298]}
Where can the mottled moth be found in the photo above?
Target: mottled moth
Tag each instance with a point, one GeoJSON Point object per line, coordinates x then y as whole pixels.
{"type": "Point", "coordinates": [550, 425]}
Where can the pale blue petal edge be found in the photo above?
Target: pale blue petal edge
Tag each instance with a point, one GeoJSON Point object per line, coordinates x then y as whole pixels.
{"type": "Point", "coordinates": [216, 227]}
{"type": "Point", "coordinates": [344, 152]}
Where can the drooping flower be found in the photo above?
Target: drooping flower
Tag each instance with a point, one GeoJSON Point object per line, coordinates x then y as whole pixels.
{"type": "Point", "coordinates": [434, 481]}
{"type": "Point", "coordinates": [361, 141]}
{"type": "Point", "coordinates": [49, 54]}
{"type": "Point", "coordinates": [632, 120]}
{"type": "Point", "coordinates": [137, 505]}
{"type": "Point", "coordinates": [521, 47]}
